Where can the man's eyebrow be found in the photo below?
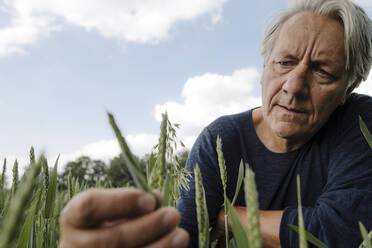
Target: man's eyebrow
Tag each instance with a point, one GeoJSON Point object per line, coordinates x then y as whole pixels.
{"type": "Point", "coordinates": [287, 55]}
{"type": "Point", "coordinates": [327, 62]}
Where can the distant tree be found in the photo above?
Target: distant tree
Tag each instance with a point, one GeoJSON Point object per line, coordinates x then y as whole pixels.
{"type": "Point", "coordinates": [118, 173]}
{"type": "Point", "coordinates": [84, 169]}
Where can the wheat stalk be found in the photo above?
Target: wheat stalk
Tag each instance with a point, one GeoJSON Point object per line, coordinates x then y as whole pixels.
{"type": "Point", "coordinates": [70, 185]}
{"type": "Point", "coordinates": [157, 177]}
{"type": "Point", "coordinates": [301, 225]}
{"type": "Point", "coordinates": [32, 155]}
{"type": "Point", "coordinates": [221, 164]}
{"type": "Point", "coordinates": [2, 182]}
{"type": "Point", "coordinates": [253, 214]}
{"type": "Point", "coordinates": [223, 172]}
{"type": "Point", "coordinates": [46, 177]}
{"type": "Point", "coordinates": [201, 209]}
{"type": "Point", "coordinates": [15, 177]}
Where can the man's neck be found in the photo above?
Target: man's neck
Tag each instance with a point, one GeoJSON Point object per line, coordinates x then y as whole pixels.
{"type": "Point", "coordinates": [270, 140]}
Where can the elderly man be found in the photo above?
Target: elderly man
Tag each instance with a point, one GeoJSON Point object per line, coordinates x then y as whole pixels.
{"type": "Point", "coordinates": [315, 54]}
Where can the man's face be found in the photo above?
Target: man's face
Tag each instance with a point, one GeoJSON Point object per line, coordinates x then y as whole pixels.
{"type": "Point", "coordinates": [304, 78]}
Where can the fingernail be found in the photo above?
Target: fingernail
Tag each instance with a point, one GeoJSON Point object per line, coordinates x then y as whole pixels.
{"type": "Point", "coordinates": [146, 203]}
{"type": "Point", "coordinates": [171, 218]}
{"type": "Point", "coordinates": [180, 239]}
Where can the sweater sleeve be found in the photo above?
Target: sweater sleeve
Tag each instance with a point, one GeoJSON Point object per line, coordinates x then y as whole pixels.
{"type": "Point", "coordinates": [347, 195]}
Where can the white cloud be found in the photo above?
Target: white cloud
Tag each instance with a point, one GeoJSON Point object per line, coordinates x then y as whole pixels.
{"type": "Point", "coordinates": [206, 97]}
{"type": "Point", "coordinates": [366, 86]}
{"type": "Point", "coordinates": [140, 21]}
{"type": "Point", "coordinates": [209, 96]}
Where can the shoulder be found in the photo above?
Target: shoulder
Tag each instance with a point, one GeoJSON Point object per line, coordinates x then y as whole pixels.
{"type": "Point", "coordinates": [346, 117]}
{"type": "Point", "coordinates": [356, 105]}
{"type": "Point", "coordinates": [228, 125]}
{"type": "Point", "coordinates": [349, 154]}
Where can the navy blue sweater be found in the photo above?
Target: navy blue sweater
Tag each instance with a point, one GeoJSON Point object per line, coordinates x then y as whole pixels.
{"type": "Point", "coordinates": [335, 168]}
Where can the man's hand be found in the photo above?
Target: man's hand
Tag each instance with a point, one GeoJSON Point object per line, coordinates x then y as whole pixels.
{"type": "Point", "coordinates": [119, 218]}
{"type": "Point", "coordinates": [269, 224]}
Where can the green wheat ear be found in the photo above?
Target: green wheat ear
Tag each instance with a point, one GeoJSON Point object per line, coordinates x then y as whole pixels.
{"type": "Point", "coordinates": [2, 180]}
{"type": "Point", "coordinates": [253, 214]}
{"type": "Point", "coordinates": [15, 177]}
{"type": "Point", "coordinates": [221, 164]}
{"type": "Point", "coordinates": [157, 175]}
{"type": "Point", "coordinates": [32, 155]}
{"type": "Point", "coordinates": [223, 172]}
{"type": "Point", "coordinates": [201, 209]}
{"type": "Point", "coordinates": [45, 170]}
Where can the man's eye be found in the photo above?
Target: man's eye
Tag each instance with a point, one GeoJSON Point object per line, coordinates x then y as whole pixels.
{"type": "Point", "coordinates": [285, 63]}
{"type": "Point", "coordinates": [324, 73]}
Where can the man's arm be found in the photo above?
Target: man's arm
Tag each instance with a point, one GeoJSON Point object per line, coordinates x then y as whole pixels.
{"type": "Point", "coordinates": [269, 225]}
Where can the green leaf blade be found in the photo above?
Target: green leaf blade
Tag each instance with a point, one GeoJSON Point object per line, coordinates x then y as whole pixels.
{"type": "Point", "coordinates": [29, 222]}
{"type": "Point", "coordinates": [367, 135]}
{"type": "Point", "coordinates": [311, 238]}
{"type": "Point", "coordinates": [52, 192]}
{"type": "Point", "coordinates": [239, 232]}
{"type": "Point", "coordinates": [366, 239]}
{"type": "Point", "coordinates": [239, 183]}
{"type": "Point", "coordinates": [133, 167]}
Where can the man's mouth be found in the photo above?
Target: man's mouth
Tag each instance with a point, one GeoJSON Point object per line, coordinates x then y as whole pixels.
{"type": "Point", "coordinates": [293, 109]}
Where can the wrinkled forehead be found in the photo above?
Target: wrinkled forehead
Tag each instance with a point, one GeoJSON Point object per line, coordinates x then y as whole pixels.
{"type": "Point", "coordinates": [307, 30]}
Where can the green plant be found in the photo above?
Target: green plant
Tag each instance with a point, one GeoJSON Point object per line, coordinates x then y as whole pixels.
{"type": "Point", "coordinates": [223, 173]}
{"type": "Point", "coordinates": [253, 214]}
{"type": "Point", "coordinates": [29, 210]}
{"type": "Point", "coordinates": [201, 209]}
{"type": "Point", "coordinates": [20, 201]}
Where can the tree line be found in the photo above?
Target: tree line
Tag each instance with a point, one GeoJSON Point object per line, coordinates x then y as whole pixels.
{"type": "Point", "coordinates": [114, 172]}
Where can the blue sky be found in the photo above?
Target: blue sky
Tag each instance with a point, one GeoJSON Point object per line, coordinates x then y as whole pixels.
{"type": "Point", "coordinates": [63, 65]}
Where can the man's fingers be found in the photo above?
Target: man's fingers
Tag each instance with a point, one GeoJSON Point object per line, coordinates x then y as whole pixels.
{"type": "Point", "coordinates": [138, 232]}
{"type": "Point", "coordinates": [93, 206]}
{"type": "Point", "coordinates": [178, 238]}
{"type": "Point", "coordinates": [145, 229]}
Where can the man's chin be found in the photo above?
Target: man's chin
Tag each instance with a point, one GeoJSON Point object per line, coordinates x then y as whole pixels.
{"type": "Point", "coordinates": [288, 131]}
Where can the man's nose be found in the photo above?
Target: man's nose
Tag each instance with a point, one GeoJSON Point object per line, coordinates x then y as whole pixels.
{"type": "Point", "coordinates": [297, 81]}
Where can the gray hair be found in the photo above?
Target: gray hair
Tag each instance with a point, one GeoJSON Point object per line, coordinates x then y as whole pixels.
{"type": "Point", "coordinates": [357, 28]}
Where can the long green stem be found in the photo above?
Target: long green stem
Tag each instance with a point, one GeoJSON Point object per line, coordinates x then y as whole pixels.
{"type": "Point", "coordinates": [301, 225]}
